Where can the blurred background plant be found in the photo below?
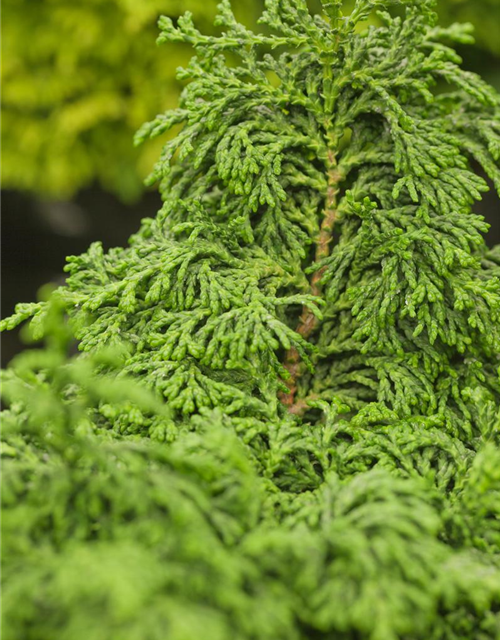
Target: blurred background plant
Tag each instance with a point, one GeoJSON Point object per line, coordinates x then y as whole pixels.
{"type": "Point", "coordinates": [77, 84]}
{"type": "Point", "coordinates": [78, 80]}
{"type": "Point", "coordinates": [483, 14]}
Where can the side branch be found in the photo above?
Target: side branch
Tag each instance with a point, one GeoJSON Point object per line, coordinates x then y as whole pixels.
{"type": "Point", "coordinates": [308, 321]}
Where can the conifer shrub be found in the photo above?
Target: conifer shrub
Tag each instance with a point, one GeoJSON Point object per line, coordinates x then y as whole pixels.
{"type": "Point", "coordinates": [283, 422]}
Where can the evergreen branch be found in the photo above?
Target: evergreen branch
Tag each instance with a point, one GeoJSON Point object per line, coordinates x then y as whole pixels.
{"type": "Point", "coordinates": [308, 322]}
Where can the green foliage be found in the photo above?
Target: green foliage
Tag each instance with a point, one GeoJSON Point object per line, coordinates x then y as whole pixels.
{"type": "Point", "coordinates": [239, 527]}
{"type": "Point", "coordinates": [284, 419]}
{"type": "Point", "coordinates": [78, 79]}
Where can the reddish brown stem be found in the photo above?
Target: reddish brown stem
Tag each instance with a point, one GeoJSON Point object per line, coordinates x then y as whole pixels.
{"type": "Point", "coordinates": [301, 405]}
{"type": "Point", "coordinates": [308, 321]}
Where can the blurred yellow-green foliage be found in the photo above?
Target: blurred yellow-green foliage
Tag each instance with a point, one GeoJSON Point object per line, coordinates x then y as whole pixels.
{"type": "Point", "coordinates": [80, 77]}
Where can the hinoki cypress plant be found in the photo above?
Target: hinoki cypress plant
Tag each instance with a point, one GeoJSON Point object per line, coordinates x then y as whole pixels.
{"type": "Point", "coordinates": [285, 420]}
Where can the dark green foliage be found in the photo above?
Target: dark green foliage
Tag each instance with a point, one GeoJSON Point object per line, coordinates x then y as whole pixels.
{"type": "Point", "coordinates": [285, 419]}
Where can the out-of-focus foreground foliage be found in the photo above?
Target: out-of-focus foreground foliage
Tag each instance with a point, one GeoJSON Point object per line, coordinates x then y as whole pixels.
{"type": "Point", "coordinates": [78, 82]}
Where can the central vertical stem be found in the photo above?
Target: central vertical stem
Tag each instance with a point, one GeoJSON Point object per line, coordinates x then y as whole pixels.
{"type": "Point", "coordinates": [308, 321]}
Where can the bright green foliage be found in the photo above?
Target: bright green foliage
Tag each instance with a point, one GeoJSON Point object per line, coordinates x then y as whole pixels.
{"type": "Point", "coordinates": [284, 422]}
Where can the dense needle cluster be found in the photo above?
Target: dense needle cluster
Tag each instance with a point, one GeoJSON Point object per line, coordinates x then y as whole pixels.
{"type": "Point", "coordinates": [285, 419]}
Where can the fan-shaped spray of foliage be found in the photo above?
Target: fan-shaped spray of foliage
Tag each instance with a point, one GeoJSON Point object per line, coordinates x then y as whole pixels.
{"type": "Point", "coordinates": [284, 422]}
